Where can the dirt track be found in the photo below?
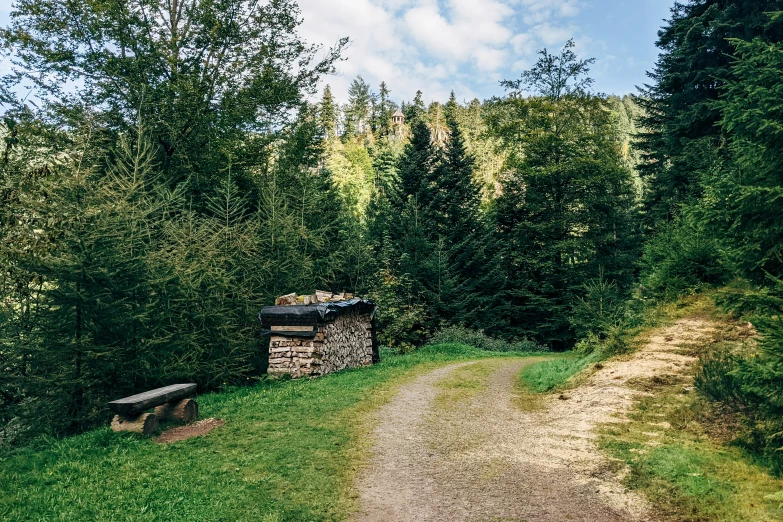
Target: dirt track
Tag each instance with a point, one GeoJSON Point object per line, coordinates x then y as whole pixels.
{"type": "Point", "coordinates": [487, 460]}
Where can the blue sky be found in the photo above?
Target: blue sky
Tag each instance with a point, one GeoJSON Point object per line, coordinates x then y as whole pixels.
{"type": "Point", "coordinates": [470, 45]}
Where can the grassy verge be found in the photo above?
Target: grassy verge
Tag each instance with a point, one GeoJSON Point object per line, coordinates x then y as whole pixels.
{"type": "Point", "coordinates": [550, 375]}
{"type": "Point", "coordinates": [677, 448]}
{"type": "Point", "coordinates": [288, 451]}
{"type": "Point", "coordinates": [686, 473]}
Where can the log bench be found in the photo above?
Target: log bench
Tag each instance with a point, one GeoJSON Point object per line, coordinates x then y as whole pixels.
{"type": "Point", "coordinates": [170, 402]}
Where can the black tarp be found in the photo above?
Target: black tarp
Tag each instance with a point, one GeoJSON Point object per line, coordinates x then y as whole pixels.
{"type": "Point", "coordinates": [312, 315]}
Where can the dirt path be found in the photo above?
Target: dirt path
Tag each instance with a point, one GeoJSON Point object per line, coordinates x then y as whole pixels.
{"type": "Point", "coordinates": [484, 459]}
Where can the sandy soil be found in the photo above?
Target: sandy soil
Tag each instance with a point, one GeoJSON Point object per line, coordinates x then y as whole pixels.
{"type": "Point", "coordinates": [487, 460]}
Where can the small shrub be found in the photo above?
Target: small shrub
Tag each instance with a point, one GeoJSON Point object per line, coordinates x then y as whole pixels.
{"type": "Point", "coordinates": [601, 307]}
{"type": "Point", "coordinates": [681, 259]}
{"type": "Point", "coordinates": [477, 339]}
{"type": "Point", "coordinates": [716, 377]}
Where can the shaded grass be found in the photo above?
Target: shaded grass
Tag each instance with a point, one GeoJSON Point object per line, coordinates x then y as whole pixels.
{"type": "Point", "coordinates": [289, 451]}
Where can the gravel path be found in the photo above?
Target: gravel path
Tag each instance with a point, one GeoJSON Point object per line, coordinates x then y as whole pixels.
{"type": "Point", "coordinates": [486, 460]}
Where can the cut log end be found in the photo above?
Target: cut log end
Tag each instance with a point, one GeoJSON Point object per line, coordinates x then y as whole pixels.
{"type": "Point", "coordinates": [185, 410]}
{"type": "Point", "coordinates": [146, 424]}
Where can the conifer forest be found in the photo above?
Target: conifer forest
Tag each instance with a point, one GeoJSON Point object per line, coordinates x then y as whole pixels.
{"type": "Point", "coordinates": [184, 163]}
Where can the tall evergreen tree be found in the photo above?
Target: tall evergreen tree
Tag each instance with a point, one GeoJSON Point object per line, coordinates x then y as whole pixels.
{"type": "Point", "coordinates": [327, 115]}
{"type": "Point", "coordinates": [567, 207]}
{"type": "Point", "coordinates": [471, 287]}
{"type": "Point", "coordinates": [680, 112]}
{"type": "Point", "coordinates": [417, 167]}
{"type": "Point", "coordinates": [359, 108]}
{"type": "Point", "coordinates": [415, 110]}
{"type": "Point", "coordinates": [382, 123]}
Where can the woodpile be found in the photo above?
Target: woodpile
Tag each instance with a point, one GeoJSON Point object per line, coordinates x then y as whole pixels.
{"type": "Point", "coordinates": [320, 296]}
{"type": "Point", "coordinates": [343, 340]}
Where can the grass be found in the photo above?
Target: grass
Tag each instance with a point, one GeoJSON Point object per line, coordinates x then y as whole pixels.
{"type": "Point", "coordinates": [550, 375]}
{"type": "Point", "coordinates": [464, 383]}
{"type": "Point", "coordinates": [686, 473]}
{"type": "Point", "coordinates": [289, 451]}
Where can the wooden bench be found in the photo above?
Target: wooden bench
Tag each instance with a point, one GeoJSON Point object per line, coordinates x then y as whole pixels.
{"type": "Point", "coordinates": [170, 402]}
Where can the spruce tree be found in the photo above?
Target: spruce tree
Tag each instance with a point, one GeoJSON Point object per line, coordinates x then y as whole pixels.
{"type": "Point", "coordinates": [473, 280]}
{"type": "Point", "coordinates": [382, 122]}
{"type": "Point", "coordinates": [680, 112]}
{"type": "Point", "coordinates": [359, 108]}
{"type": "Point", "coordinates": [417, 167]}
{"type": "Point", "coordinates": [567, 207]}
{"type": "Point", "coordinates": [415, 110]}
{"type": "Point", "coordinates": [328, 114]}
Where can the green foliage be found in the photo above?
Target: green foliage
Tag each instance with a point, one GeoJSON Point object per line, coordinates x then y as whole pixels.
{"type": "Point", "coordinates": [717, 377]}
{"type": "Point", "coordinates": [358, 111]}
{"type": "Point", "coordinates": [601, 307]}
{"type": "Point", "coordinates": [681, 258]}
{"type": "Point", "coordinates": [567, 211]}
{"type": "Point", "coordinates": [202, 75]}
{"type": "Point", "coordinates": [680, 111]}
{"type": "Point", "coordinates": [751, 115]}
{"type": "Point", "coordinates": [478, 339]}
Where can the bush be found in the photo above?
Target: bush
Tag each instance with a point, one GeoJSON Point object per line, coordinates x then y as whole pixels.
{"type": "Point", "coordinates": [716, 377]}
{"type": "Point", "coordinates": [600, 308]}
{"type": "Point", "coordinates": [461, 335]}
{"type": "Point", "coordinates": [681, 259]}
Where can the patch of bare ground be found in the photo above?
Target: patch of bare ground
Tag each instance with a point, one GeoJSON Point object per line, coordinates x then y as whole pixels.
{"type": "Point", "coordinates": [189, 431]}
{"type": "Point", "coordinates": [485, 458]}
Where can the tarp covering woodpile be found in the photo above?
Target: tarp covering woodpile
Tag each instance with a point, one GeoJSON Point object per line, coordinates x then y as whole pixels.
{"type": "Point", "coordinates": [319, 334]}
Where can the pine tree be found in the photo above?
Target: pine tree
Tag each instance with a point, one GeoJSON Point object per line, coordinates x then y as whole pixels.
{"type": "Point", "coordinates": [417, 167]}
{"type": "Point", "coordinates": [328, 114]}
{"type": "Point", "coordinates": [746, 200]}
{"type": "Point", "coordinates": [473, 281]}
{"type": "Point", "coordinates": [382, 123]}
{"type": "Point", "coordinates": [98, 325]}
{"type": "Point", "coordinates": [415, 110]}
{"type": "Point", "coordinates": [359, 108]}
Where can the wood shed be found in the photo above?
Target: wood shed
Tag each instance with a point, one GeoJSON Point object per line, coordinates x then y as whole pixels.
{"type": "Point", "coordinates": [319, 338]}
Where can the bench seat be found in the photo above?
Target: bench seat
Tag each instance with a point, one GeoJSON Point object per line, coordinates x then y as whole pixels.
{"type": "Point", "coordinates": [136, 404]}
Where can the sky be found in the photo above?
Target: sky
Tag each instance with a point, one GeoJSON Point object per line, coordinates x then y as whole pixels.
{"type": "Point", "coordinates": [470, 45]}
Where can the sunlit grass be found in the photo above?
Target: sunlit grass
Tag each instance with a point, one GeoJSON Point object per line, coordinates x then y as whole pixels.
{"type": "Point", "coordinates": [688, 474]}
{"type": "Point", "coordinates": [289, 451]}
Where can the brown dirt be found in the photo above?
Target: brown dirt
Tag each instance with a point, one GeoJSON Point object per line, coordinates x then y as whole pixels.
{"type": "Point", "coordinates": [189, 431]}
{"type": "Point", "coordinates": [487, 459]}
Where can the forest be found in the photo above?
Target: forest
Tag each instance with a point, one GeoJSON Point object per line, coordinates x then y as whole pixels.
{"type": "Point", "coordinates": [180, 168]}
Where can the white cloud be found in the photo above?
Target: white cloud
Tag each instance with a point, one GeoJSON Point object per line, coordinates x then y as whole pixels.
{"type": "Point", "coordinates": [436, 45]}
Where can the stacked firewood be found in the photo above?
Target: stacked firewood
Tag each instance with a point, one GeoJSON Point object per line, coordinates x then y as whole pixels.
{"type": "Point", "coordinates": [302, 351]}
{"type": "Point", "coordinates": [320, 296]}
{"type": "Point", "coordinates": [347, 343]}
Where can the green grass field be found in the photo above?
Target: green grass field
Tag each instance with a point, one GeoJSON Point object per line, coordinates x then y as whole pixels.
{"type": "Point", "coordinates": [289, 451]}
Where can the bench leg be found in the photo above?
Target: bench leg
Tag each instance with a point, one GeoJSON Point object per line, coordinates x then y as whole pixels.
{"type": "Point", "coordinates": [185, 410]}
{"type": "Point", "coordinates": [146, 423]}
